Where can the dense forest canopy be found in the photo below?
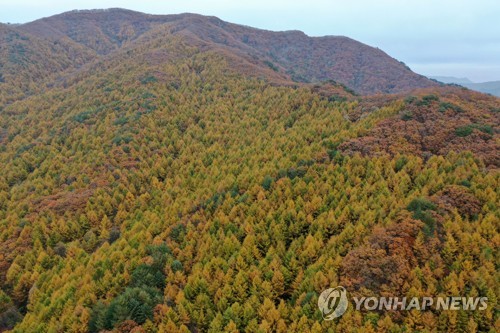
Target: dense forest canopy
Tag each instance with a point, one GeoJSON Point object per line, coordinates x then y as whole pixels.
{"type": "Point", "coordinates": [157, 188]}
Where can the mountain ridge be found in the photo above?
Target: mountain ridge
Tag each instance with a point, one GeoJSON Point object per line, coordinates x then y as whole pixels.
{"type": "Point", "coordinates": [291, 54]}
{"type": "Point", "coordinates": [488, 87]}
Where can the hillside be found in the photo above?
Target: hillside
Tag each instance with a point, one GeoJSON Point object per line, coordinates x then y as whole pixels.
{"type": "Point", "coordinates": [436, 122]}
{"type": "Point", "coordinates": [292, 55]}
{"type": "Point", "coordinates": [26, 60]}
{"type": "Point", "coordinates": [100, 30]}
{"type": "Point", "coordinates": [173, 181]}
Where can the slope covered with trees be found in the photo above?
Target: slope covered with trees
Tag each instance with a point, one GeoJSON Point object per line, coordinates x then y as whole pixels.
{"type": "Point", "coordinates": [435, 122]}
{"type": "Point", "coordinates": [27, 60]}
{"type": "Point", "coordinates": [291, 55]}
{"type": "Point", "coordinates": [161, 189]}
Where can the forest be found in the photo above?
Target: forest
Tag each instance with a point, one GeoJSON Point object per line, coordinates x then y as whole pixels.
{"type": "Point", "coordinates": [185, 196]}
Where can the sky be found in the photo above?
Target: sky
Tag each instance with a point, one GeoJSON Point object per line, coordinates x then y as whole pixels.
{"type": "Point", "coordinates": [458, 38]}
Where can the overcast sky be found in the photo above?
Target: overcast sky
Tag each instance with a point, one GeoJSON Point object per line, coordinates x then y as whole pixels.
{"type": "Point", "coordinates": [434, 37]}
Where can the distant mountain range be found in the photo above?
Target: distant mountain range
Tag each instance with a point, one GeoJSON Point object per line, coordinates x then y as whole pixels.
{"type": "Point", "coordinates": [451, 79]}
{"type": "Point", "coordinates": [491, 87]}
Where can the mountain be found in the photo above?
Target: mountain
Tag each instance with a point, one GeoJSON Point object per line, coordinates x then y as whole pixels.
{"type": "Point", "coordinates": [292, 55]}
{"type": "Point", "coordinates": [26, 59]}
{"type": "Point", "coordinates": [451, 79]}
{"type": "Point", "coordinates": [492, 87]}
{"type": "Point", "coordinates": [167, 174]}
{"type": "Point", "coordinates": [102, 31]}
